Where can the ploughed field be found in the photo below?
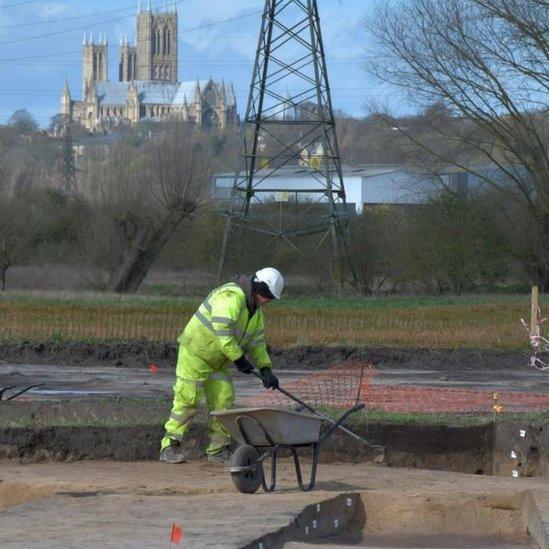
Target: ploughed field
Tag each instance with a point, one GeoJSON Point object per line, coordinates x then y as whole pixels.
{"type": "Point", "coordinates": [480, 321]}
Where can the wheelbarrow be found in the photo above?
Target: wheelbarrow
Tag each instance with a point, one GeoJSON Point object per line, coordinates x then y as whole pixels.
{"type": "Point", "coordinates": [263, 432]}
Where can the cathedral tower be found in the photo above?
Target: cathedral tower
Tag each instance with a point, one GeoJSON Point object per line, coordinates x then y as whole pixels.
{"type": "Point", "coordinates": [127, 65]}
{"type": "Point", "coordinates": [94, 61]}
{"type": "Point", "coordinates": [157, 45]}
{"type": "Point", "coordinates": [66, 104]}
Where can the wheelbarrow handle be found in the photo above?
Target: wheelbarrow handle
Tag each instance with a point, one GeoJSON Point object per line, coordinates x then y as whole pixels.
{"type": "Point", "coordinates": [335, 424]}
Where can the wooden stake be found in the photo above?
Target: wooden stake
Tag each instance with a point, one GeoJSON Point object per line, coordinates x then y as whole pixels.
{"type": "Point", "coordinates": [534, 310]}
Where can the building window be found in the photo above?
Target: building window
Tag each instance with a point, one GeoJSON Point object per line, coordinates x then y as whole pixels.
{"type": "Point", "coordinates": [157, 41]}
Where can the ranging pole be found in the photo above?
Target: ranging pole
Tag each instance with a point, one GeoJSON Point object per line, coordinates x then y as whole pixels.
{"type": "Point", "coordinates": [288, 133]}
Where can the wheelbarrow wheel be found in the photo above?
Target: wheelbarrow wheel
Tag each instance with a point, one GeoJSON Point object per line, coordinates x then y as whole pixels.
{"type": "Point", "coordinates": [246, 481]}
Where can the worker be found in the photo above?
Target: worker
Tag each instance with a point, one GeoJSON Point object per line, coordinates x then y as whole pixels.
{"type": "Point", "coordinates": [227, 326]}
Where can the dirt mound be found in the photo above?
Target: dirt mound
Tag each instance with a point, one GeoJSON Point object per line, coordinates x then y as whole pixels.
{"type": "Point", "coordinates": [141, 353]}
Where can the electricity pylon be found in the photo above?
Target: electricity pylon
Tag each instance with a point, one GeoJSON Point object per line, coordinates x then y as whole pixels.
{"type": "Point", "coordinates": [68, 168]}
{"type": "Point", "coordinates": [289, 131]}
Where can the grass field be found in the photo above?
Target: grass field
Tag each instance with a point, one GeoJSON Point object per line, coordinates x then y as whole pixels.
{"type": "Point", "coordinates": [473, 321]}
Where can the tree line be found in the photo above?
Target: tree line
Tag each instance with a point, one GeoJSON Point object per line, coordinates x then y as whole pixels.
{"type": "Point", "coordinates": [477, 73]}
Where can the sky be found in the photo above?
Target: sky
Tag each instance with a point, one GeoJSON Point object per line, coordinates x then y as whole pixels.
{"type": "Point", "coordinates": [41, 41]}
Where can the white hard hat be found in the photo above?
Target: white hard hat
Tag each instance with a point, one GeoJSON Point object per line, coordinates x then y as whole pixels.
{"type": "Point", "coordinates": [273, 279]}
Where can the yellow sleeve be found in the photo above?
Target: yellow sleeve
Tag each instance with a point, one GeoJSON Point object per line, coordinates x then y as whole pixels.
{"type": "Point", "coordinates": [257, 347]}
{"type": "Point", "coordinates": [226, 309]}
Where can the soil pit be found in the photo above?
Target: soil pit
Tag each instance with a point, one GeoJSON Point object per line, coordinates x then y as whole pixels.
{"type": "Point", "coordinates": [413, 519]}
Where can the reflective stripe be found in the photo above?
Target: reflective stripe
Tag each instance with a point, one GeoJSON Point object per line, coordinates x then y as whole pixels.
{"type": "Point", "coordinates": [256, 343]}
{"type": "Point", "coordinates": [222, 320]}
{"type": "Point", "coordinates": [203, 319]}
{"type": "Point", "coordinates": [206, 303]}
{"type": "Point", "coordinates": [221, 332]}
{"type": "Point", "coordinates": [232, 328]}
{"type": "Point", "coordinates": [175, 436]}
{"type": "Point", "coordinates": [226, 332]}
{"type": "Point", "coordinates": [220, 376]}
{"type": "Point", "coordinates": [183, 418]}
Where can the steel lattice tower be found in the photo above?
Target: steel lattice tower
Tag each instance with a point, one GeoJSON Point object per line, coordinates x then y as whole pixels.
{"type": "Point", "coordinates": [68, 168]}
{"type": "Point", "coordinates": [289, 127]}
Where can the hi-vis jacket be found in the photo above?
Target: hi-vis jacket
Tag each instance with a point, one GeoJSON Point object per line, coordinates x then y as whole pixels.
{"type": "Point", "coordinates": [222, 329]}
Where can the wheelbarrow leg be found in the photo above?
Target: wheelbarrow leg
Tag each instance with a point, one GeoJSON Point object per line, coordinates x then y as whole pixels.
{"type": "Point", "coordinates": [2, 391]}
{"type": "Point", "coordinates": [311, 485]}
{"type": "Point", "coordinates": [24, 391]}
{"type": "Point", "coordinates": [270, 488]}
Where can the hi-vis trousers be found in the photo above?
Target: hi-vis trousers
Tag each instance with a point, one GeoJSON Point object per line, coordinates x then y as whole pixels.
{"type": "Point", "coordinates": [195, 377]}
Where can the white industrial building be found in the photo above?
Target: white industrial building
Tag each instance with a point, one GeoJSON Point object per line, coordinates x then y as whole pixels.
{"type": "Point", "coordinates": [365, 185]}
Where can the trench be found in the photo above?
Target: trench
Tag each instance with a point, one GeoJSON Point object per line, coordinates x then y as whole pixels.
{"type": "Point", "coordinates": [409, 520]}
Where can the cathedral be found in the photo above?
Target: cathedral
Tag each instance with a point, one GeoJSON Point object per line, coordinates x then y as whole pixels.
{"type": "Point", "coordinates": [147, 87]}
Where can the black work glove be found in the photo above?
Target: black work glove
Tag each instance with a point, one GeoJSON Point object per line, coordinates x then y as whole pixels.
{"type": "Point", "coordinates": [270, 381]}
{"type": "Point", "coordinates": [243, 365]}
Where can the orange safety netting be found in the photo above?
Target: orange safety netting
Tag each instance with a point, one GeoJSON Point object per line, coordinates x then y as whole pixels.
{"type": "Point", "coordinates": [344, 384]}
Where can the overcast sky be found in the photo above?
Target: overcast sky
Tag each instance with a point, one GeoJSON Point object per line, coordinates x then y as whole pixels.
{"type": "Point", "coordinates": [53, 32]}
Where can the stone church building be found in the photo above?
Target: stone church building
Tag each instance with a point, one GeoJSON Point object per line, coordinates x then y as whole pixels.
{"type": "Point", "coordinates": [147, 87]}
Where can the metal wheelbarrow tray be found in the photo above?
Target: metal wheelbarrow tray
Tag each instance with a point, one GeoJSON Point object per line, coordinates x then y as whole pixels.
{"type": "Point", "coordinates": [262, 432]}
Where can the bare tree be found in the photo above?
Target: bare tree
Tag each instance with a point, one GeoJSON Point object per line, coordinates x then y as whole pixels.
{"type": "Point", "coordinates": [140, 197]}
{"type": "Point", "coordinates": [18, 231]}
{"type": "Point", "coordinates": [486, 62]}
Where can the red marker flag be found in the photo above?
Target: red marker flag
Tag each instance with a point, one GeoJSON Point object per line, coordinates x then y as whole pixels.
{"type": "Point", "coordinates": [177, 534]}
{"type": "Point", "coordinates": [153, 369]}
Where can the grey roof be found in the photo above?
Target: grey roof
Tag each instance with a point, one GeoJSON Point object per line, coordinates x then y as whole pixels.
{"type": "Point", "coordinates": [112, 93]}
{"type": "Point", "coordinates": [303, 171]}
{"type": "Point", "coordinates": [186, 89]}
{"type": "Point", "coordinates": [150, 92]}
{"type": "Point", "coordinates": [155, 92]}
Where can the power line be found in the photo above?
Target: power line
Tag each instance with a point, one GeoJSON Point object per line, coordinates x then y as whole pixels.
{"type": "Point", "coordinates": [216, 63]}
{"type": "Point", "coordinates": [192, 29]}
{"type": "Point", "coordinates": [64, 31]}
{"type": "Point", "coordinates": [82, 16]}
{"type": "Point", "coordinates": [15, 4]}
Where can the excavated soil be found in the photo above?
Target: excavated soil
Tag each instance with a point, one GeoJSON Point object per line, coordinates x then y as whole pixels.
{"type": "Point", "coordinates": [137, 354]}
{"type": "Point", "coordinates": [35, 431]}
{"type": "Point", "coordinates": [463, 449]}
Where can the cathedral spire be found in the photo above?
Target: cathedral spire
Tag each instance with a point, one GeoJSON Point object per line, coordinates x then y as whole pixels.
{"type": "Point", "coordinates": [223, 92]}
{"type": "Point", "coordinates": [66, 92]}
{"type": "Point", "coordinates": [197, 92]}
